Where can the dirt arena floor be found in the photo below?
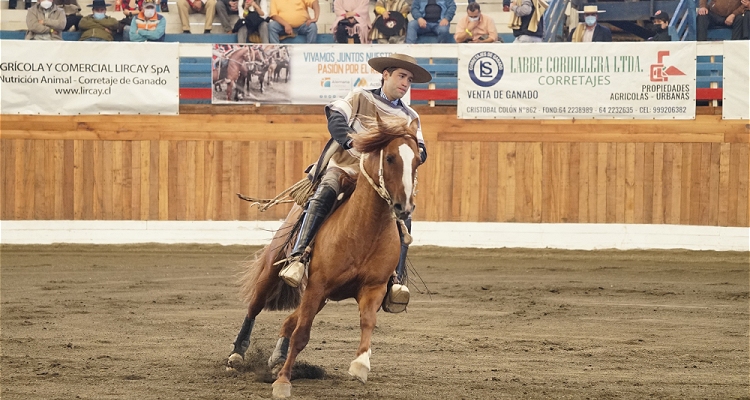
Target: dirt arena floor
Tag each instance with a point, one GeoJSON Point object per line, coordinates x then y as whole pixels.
{"type": "Point", "coordinates": [157, 322]}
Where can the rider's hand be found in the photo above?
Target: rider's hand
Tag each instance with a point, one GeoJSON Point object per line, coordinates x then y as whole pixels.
{"type": "Point", "coordinates": [422, 23]}
{"type": "Point", "coordinates": [702, 11]}
{"type": "Point", "coordinates": [386, 14]}
{"type": "Point", "coordinates": [288, 29]}
{"type": "Point", "coordinates": [444, 22]}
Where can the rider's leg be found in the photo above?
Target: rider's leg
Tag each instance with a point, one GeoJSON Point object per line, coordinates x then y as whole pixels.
{"type": "Point", "coordinates": [397, 297]}
{"type": "Point", "coordinates": [318, 207]}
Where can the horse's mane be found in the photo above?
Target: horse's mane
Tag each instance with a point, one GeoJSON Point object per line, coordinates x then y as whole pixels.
{"type": "Point", "coordinates": [380, 132]}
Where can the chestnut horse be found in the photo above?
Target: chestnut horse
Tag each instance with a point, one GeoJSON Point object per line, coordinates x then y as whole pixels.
{"type": "Point", "coordinates": [236, 69]}
{"type": "Point", "coordinates": [356, 251]}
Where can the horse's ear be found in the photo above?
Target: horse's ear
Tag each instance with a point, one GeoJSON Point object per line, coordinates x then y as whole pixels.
{"type": "Point", "coordinates": [414, 125]}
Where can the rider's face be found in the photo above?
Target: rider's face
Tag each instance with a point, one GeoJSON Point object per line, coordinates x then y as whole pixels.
{"type": "Point", "coordinates": [396, 83]}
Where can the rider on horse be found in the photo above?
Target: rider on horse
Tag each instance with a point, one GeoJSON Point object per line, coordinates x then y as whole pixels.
{"type": "Point", "coordinates": [346, 117]}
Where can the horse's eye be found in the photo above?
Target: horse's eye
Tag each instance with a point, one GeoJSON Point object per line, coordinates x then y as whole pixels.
{"type": "Point", "coordinates": [389, 158]}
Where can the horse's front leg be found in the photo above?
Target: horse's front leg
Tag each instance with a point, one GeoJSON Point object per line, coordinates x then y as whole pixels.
{"type": "Point", "coordinates": [279, 355]}
{"type": "Point", "coordinates": [369, 302]}
{"type": "Point", "coordinates": [312, 301]}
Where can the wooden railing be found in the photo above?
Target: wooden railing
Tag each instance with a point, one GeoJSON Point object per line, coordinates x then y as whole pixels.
{"type": "Point", "coordinates": [189, 167]}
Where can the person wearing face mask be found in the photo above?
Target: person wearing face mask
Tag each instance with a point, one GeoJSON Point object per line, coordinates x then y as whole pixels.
{"type": "Point", "coordinates": [475, 27]}
{"type": "Point", "coordinates": [661, 26]}
{"type": "Point", "coordinates": [45, 22]}
{"type": "Point", "coordinates": [527, 21]}
{"type": "Point", "coordinates": [589, 30]}
{"type": "Point", "coordinates": [98, 26]}
{"type": "Point", "coordinates": [148, 25]}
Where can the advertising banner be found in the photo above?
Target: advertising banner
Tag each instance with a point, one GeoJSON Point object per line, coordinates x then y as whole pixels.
{"type": "Point", "coordinates": [71, 78]}
{"type": "Point", "coordinates": [642, 80]}
{"type": "Point", "coordinates": [283, 74]}
{"type": "Point", "coordinates": [736, 90]}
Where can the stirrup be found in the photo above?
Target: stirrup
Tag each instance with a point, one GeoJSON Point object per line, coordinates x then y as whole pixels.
{"type": "Point", "coordinates": [293, 272]}
{"type": "Point", "coordinates": [396, 299]}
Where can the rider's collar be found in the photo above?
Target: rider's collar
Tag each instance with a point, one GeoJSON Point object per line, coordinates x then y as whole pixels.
{"type": "Point", "coordinates": [396, 102]}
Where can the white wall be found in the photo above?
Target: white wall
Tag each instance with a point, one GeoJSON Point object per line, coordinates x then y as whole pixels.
{"type": "Point", "coordinates": [448, 234]}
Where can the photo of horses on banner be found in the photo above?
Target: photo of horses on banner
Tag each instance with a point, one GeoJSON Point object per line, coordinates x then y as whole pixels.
{"type": "Point", "coordinates": [250, 73]}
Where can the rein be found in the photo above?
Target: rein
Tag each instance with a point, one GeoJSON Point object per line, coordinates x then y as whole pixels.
{"type": "Point", "coordinates": [380, 189]}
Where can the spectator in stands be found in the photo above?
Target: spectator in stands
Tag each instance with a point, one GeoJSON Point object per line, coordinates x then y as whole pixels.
{"type": "Point", "coordinates": [225, 8]}
{"type": "Point", "coordinates": [98, 26]}
{"type": "Point", "coordinates": [352, 24]}
{"type": "Point", "coordinates": [726, 13]}
{"type": "Point", "coordinates": [72, 12]}
{"type": "Point", "coordinates": [589, 30]}
{"type": "Point", "coordinates": [44, 22]}
{"type": "Point", "coordinates": [475, 27]}
{"type": "Point", "coordinates": [148, 25]}
{"type": "Point", "coordinates": [291, 18]}
{"type": "Point", "coordinates": [431, 16]}
{"type": "Point", "coordinates": [12, 4]}
{"type": "Point", "coordinates": [745, 20]}
{"type": "Point", "coordinates": [527, 21]}
{"type": "Point", "coordinates": [661, 25]}
{"type": "Point", "coordinates": [253, 24]}
{"type": "Point", "coordinates": [388, 26]}
{"type": "Point", "coordinates": [187, 7]}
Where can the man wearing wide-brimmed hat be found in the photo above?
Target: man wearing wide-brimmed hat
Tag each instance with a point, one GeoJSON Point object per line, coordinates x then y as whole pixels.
{"type": "Point", "coordinates": [98, 26]}
{"type": "Point", "coordinates": [347, 117]}
{"type": "Point", "coordinates": [590, 30]}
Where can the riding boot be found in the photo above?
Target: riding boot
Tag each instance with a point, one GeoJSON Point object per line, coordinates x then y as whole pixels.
{"type": "Point", "coordinates": [397, 297]}
{"type": "Point", "coordinates": [318, 207]}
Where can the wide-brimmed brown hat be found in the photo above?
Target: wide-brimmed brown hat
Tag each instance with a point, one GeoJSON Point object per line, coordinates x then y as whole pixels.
{"type": "Point", "coordinates": [401, 61]}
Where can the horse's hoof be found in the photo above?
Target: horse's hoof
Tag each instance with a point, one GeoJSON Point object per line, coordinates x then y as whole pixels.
{"type": "Point", "coordinates": [282, 390]}
{"type": "Point", "coordinates": [359, 371]}
{"type": "Point", "coordinates": [234, 361]}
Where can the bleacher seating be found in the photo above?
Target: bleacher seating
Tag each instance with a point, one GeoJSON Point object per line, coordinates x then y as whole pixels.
{"type": "Point", "coordinates": [15, 20]}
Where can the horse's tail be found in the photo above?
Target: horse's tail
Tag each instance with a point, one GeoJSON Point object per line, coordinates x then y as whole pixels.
{"type": "Point", "coordinates": [261, 275]}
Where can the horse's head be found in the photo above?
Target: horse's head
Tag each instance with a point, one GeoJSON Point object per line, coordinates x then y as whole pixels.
{"type": "Point", "coordinates": [390, 157]}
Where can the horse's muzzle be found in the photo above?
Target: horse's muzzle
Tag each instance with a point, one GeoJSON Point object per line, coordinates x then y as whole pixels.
{"type": "Point", "coordinates": [403, 212]}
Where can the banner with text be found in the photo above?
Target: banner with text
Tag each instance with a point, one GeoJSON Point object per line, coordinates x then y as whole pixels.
{"type": "Point", "coordinates": [736, 89]}
{"type": "Point", "coordinates": [283, 74]}
{"type": "Point", "coordinates": [643, 80]}
{"type": "Point", "coordinates": [70, 78]}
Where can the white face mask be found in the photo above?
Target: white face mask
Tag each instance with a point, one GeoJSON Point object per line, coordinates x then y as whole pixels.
{"type": "Point", "coordinates": [590, 20]}
{"type": "Point", "coordinates": [46, 4]}
{"type": "Point", "coordinates": [473, 18]}
{"type": "Point", "coordinates": [149, 12]}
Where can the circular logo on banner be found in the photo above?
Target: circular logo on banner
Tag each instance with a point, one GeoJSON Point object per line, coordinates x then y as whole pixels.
{"type": "Point", "coordinates": [485, 68]}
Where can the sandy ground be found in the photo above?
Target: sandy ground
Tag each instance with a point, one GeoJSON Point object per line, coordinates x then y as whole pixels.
{"type": "Point", "coordinates": [156, 322]}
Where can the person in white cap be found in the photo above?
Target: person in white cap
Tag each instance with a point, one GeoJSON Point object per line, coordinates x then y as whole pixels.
{"type": "Point", "coordinates": [590, 30]}
{"type": "Point", "coordinates": [347, 117]}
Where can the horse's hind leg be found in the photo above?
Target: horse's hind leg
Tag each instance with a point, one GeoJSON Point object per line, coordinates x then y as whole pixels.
{"type": "Point", "coordinates": [312, 302]}
{"type": "Point", "coordinates": [369, 303]}
{"type": "Point", "coordinates": [242, 341]}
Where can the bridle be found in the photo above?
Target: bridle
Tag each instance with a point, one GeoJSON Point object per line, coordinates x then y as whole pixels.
{"type": "Point", "coordinates": [380, 187]}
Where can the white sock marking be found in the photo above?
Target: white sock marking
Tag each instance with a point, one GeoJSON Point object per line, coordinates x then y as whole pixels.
{"type": "Point", "coordinates": [364, 359]}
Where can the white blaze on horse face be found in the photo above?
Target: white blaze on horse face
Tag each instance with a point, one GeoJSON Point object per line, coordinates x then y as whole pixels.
{"type": "Point", "coordinates": [407, 155]}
